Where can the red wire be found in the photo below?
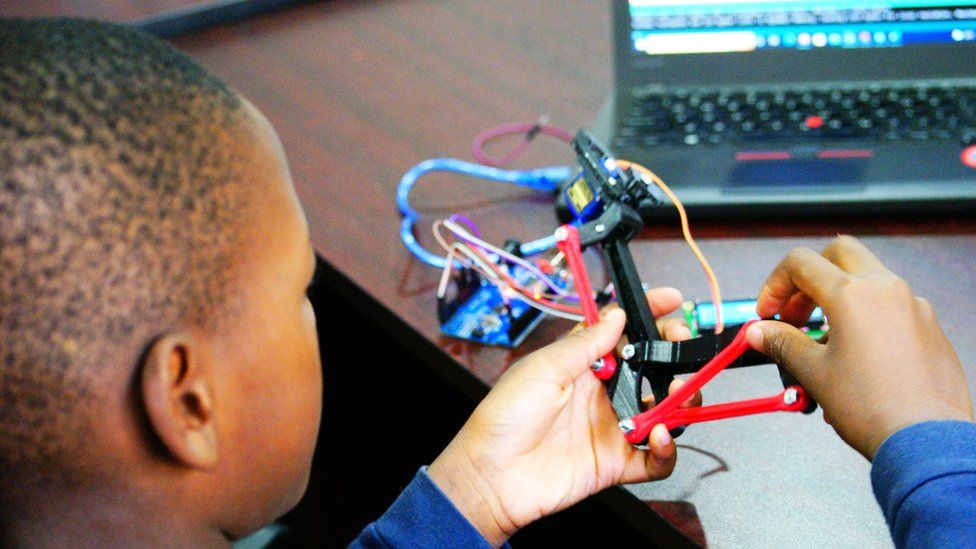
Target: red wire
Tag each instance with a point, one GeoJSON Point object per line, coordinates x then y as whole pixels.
{"type": "Point", "coordinates": [531, 130]}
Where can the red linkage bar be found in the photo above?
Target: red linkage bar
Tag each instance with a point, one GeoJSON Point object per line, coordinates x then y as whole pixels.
{"type": "Point", "coordinates": [793, 399]}
{"type": "Point", "coordinates": [568, 241]}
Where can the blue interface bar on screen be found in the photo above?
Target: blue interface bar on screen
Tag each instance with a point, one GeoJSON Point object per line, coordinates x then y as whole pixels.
{"type": "Point", "coordinates": [690, 26]}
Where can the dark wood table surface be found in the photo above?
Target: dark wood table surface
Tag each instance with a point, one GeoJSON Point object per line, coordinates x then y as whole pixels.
{"type": "Point", "coordinates": [118, 11]}
{"type": "Point", "coordinates": [361, 91]}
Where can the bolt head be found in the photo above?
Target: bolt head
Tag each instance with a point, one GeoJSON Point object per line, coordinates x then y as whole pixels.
{"type": "Point", "coordinates": [790, 396]}
{"type": "Point", "coordinates": [627, 426]}
{"type": "Point", "coordinates": [597, 365]}
{"type": "Point", "coordinates": [561, 234]}
{"type": "Point", "coordinates": [627, 352]}
{"type": "Point", "coordinates": [600, 227]}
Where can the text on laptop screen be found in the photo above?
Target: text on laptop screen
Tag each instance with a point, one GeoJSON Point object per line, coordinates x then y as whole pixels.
{"type": "Point", "coordinates": [694, 26]}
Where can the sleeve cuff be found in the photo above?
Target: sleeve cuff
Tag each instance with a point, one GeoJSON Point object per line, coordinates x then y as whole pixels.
{"type": "Point", "coordinates": [422, 516]}
{"type": "Point", "coordinates": [919, 454]}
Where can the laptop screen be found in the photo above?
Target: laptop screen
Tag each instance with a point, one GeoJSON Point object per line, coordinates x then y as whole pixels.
{"type": "Point", "coordinates": [693, 26]}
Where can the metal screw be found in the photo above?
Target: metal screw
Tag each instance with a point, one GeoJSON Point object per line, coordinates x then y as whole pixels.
{"type": "Point", "coordinates": [627, 352]}
{"type": "Point", "coordinates": [561, 234]}
{"type": "Point", "coordinates": [612, 181]}
{"type": "Point", "coordinates": [627, 426]}
{"type": "Point", "coordinates": [789, 396]}
{"type": "Point", "coordinates": [597, 365]}
{"type": "Point", "coordinates": [600, 227]}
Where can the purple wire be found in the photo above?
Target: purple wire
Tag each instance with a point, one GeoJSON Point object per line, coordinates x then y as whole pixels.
{"type": "Point", "coordinates": [465, 220]}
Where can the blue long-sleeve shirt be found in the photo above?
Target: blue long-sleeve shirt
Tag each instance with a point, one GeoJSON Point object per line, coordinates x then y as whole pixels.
{"type": "Point", "coordinates": [421, 517]}
{"type": "Point", "coordinates": [924, 478]}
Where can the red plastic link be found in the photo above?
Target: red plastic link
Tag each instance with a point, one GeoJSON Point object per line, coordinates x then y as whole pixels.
{"type": "Point", "coordinates": [568, 241]}
{"type": "Point", "coordinates": [792, 399]}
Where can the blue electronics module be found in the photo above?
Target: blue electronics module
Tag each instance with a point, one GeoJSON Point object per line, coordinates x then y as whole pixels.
{"type": "Point", "coordinates": [480, 313]}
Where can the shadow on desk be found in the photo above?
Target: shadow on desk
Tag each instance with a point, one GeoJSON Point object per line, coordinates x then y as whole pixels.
{"type": "Point", "coordinates": [684, 515]}
{"type": "Point", "coordinates": [386, 413]}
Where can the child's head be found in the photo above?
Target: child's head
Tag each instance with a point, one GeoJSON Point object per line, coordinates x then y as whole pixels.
{"type": "Point", "coordinates": [157, 351]}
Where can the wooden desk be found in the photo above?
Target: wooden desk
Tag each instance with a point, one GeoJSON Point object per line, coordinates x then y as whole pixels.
{"type": "Point", "coordinates": [361, 91]}
{"type": "Point", "coordinates": [117, 11]}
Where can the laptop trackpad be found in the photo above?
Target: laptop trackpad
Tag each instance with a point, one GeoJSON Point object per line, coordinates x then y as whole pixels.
{"type": "Point", "coordinates": [805, 175]}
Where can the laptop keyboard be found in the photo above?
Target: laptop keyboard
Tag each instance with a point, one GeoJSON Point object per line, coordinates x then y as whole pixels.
{"type": "Point", "coordinates": [879, 113]}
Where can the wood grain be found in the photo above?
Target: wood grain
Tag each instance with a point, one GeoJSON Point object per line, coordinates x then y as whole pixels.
{"type": "Point", "coordinates": [116, 11]}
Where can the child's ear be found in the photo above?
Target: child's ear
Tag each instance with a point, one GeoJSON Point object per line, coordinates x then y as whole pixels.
{"type": "Point", "coordinates": [177, 394]}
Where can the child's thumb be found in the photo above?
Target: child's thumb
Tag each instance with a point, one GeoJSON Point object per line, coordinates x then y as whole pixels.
{"type": "Point", "coordinates": [790, 348]}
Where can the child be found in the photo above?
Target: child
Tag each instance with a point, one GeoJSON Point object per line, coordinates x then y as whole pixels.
{"type": "Point", "coordinates": [160, 380]}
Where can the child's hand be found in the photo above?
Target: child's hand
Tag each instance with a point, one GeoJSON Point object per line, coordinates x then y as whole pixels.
{"type": "Point", "coordinates": [886, 364]}
{"type": "Point", "coordinates": [546, 436]}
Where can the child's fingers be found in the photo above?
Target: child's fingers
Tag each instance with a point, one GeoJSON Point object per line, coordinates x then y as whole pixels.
{"type": "Point", "coordinates": [575, 353]}
{"type": "Point", "coordinates": [663, 301]}
{"type": "Point", "coordinates": [662, 452]}
{"type": "Point", "coordinates": [694, 400]}
{"type": "Point", "coordinates": [801, 271]}
{"type": "Point", "coordinates": [655, 463]}
{"type": "Point", "coordinates": [792, 349]}
{"type": "Point", "coordinates": [849, 254]}
{"type": "Point", "coordinates": [797, 310]}
{"type": "Point", "coordinates": [673, 329]}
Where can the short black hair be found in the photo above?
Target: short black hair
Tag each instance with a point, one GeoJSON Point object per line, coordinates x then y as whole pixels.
{"type": "Point", "coordinates": [118, 200]}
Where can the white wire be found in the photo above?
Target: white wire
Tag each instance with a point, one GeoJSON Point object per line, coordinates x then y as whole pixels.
{"type": "Point", "coordinates": [478, 265]}
{"type": "Point", "coordinates": [475, 262]}
{"type": "Point", "coordinates": [472, 261]}
{"type": "Point", "coordinates": [437, 234]}
{"type": "Point", "coordinates": [436, 229]}
{"type": "Point", "coordinates": [549, 310]}
{"type": "Point", "coordinates": [465, 235]}
{"type": "Point", "coordinates": [483, 267]}
{"type": "Point", "coordinates": [557, 259]}
{"type": "Point", "coordinates": [445, 275]}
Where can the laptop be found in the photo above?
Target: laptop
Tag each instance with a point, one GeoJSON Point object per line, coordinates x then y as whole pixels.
{"type": "Point", "coordinates": [762, 107]}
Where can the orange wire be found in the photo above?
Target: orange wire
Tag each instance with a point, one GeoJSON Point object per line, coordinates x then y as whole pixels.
{"type": "Point", "coordinates": [712, 281]}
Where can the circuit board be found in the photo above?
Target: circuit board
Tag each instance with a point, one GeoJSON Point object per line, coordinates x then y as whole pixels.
{"type": "Point", "coordinates": [481, 314]}
{"type": "Point", "coordinates": [700, 316]}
